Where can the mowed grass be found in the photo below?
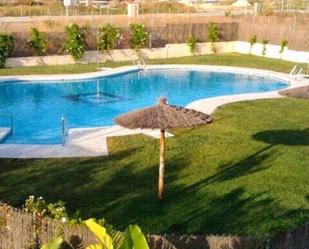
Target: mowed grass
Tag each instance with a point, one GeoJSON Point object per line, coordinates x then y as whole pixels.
{"type": "Point", "coordinates": [246, 173]}
{"type": "Point", "coordinates": [236, 60]}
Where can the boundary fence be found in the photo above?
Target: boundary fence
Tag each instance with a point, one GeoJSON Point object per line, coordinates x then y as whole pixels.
{"type": "Point", "coordinates": [20, 230]}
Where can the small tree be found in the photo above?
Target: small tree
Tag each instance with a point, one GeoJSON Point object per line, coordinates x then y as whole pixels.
{"type": "Point", "coordinates": [213, 36]}
{"type": "Point", "coordinates": [37, 41]}
{"type": "Point", "coordinates": [252, 41]}
{"type": "Point", "coordinates": [6, 48]}
{"type": "Point", "coordinates": [283, 44]}
{"type": "Point", "coordinates": [139, 36]}
{"type": "Point", "coordinates": [108, 37]}
{"type": "Point", "coordinates": [192, 43]}
{"type": "Point", "coordinates": [264, 50]}
{"type": "Point", "coordinates": [75, 43]}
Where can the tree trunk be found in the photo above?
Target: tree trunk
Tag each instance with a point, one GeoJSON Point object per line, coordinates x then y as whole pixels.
{"type": "Point", "coordinates": [161, 167]}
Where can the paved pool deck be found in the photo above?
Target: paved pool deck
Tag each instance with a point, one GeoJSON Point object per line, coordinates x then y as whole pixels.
{"type": "Point", "coordinates": [92, 142]}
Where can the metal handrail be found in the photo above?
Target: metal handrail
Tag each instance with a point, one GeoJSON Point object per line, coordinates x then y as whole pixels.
{"type": "Point", "coordinates": [65, 130]}
{"type": "Point", "coordinates": [140, 62]}
{"type": "Point", "coordinates": [10, 117]}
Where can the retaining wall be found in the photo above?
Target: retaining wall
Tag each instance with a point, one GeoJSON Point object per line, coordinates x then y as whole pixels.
{"type": "Point", "coordinates": [169, 51]}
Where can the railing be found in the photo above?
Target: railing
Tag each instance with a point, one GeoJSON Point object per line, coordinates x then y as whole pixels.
{"type": "Point", "coordinates": [10, 118]}
{"type": "Point", "coordinates": [140, 62]}
{"type": "Point", "coordinates": [296, 72]}
{"type": "Point", "coordinates": [65, 130]}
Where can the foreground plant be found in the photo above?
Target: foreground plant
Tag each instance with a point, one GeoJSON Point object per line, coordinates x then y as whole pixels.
{"type": "Point", "coordinates": [53, 243]}
{"type": "Point", "coordinates": [6, 48]}
{"type": "Point", "coordinates": [108, 238]}
{"type": "Point", "coordinates": [75, 43]}
{"type": "Point", "coordinates": [133, 237]}
{"type": "Point", "coordinates": [37, 41]}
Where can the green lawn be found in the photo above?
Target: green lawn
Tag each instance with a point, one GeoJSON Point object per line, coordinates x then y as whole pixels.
{"type": "Point", "coordinates": [237, 60]}
{"type": "Point", "coordinates": [246, 173]}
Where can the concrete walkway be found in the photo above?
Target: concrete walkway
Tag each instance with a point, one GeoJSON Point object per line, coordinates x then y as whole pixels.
{"type": "Point", "coordinates": [86, 142]}
{"type": "Point", "coordinates": [90, 142]}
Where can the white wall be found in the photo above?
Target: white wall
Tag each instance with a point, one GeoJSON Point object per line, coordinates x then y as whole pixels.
{"type": "Point", "coordinates": [169, 51]}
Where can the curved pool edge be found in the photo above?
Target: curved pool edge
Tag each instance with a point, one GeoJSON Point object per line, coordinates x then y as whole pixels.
{"type": "Point", "coordinates": [92, 142]}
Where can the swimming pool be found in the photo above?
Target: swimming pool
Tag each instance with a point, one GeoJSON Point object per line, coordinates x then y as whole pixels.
{"type": "Point", "coordinates": [37, 107]}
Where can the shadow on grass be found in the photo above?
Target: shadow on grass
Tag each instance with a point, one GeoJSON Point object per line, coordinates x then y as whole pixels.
{"type": "Point", "coordinates": [122, 188]}
{"type": "Point", "coordinates": [284, 137]}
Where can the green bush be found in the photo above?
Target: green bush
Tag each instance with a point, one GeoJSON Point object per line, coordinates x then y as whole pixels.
{"type": "Point", "coordinates": [139, 36]}
{"type": "Point", "coordinates": [252, 41]}
{"type": "Point", "coordinates": [213, 36]}
{"type": "Point", "coordinates": [39, 206]}
{"type": "Point", "coordinates": [6, 48]}
{"type": "Point", "coordinates": [192, 42]}
{"type": "Point", "coordinates": [264, 42]}
{"type": "Point", "coordinates": [37, 41]}
{"type": "Point", "coordinates": [75, 43]}
{"type": "Point", "coordinates": [108, 37]}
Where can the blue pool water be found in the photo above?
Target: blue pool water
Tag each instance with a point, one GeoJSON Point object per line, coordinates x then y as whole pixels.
{"type": "Point", "coordinates": [37, 107]}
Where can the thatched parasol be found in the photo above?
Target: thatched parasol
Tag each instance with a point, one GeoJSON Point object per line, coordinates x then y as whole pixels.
{"type": "Point", "coordinates": [163, 116]}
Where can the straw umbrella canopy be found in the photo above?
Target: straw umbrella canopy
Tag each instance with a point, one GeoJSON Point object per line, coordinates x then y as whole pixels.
{"type": "Point", "coordinates": [162, 116]}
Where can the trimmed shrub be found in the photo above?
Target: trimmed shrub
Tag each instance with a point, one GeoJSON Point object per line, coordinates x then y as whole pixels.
{"type": "Point", "coordinates": [252, 41]}
{"type": "Point", "coordinates": [213, 35]}
{"type": "Point", "coordinates": [264, 50]}
{"type": "Point", "coordinates": [139, 36]}
{"type": "Point", "coordinates": [108, 36]}
{"type": "Point", "coordinates": [192, 42]}
{"type": "Point", "coordinates": [75, 43]}
{"type": "Point", "coordinates": [283, 44]}
{"type": "Point", "coordinates": [6, 48]}
{"type": "Point", "coordinates": [37, 41]}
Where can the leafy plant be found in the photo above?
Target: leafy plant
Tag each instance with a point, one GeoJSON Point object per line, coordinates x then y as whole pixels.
{"type": "Point", "coordinates": [133, 237]}
{"type": "Point", "coordinates": [37, 41]}
{"type": "Point", "coordinates": [192, 43]}
{"type": "Point", "coordinates": [108, 36]}
{"type": "Point", "coordinates": [6, 48]}
{"type": "Point", "coordinates": [213, 35]}
{"type": "Point", "coordinates": [105, 241]}
{"type": "Point", "coordinates": [75, 43]}
{"type": "Point", "coordinates": [139, 36]}
{"type": "Point", "coordinates": [264, 50]}
{"type": "Point", "coordinates": [39, 206]}
{"type": "Point", "coordinates": [53, 243]}
{"type": "Point", "coordinates": [252, 41]}
{"type": "Point", "coordinates": [283, 44]}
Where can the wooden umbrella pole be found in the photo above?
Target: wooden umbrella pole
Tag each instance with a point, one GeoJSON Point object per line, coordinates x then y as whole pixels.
{"type": "Point", "coordinates": [161, 166]}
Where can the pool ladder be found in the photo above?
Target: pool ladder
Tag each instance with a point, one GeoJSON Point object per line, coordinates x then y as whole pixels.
{"type": "Point", "coordinates": [10, 132]}
{"type": "Point", "coordinates": [65, 130]}
{"type": "Point", "coordinates": [139, 62]}
{"type": "Point", "coordinates": [296, 72]}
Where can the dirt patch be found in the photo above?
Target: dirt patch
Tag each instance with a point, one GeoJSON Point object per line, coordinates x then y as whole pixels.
{"type": "Point", "coordinates": [300, 92]}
